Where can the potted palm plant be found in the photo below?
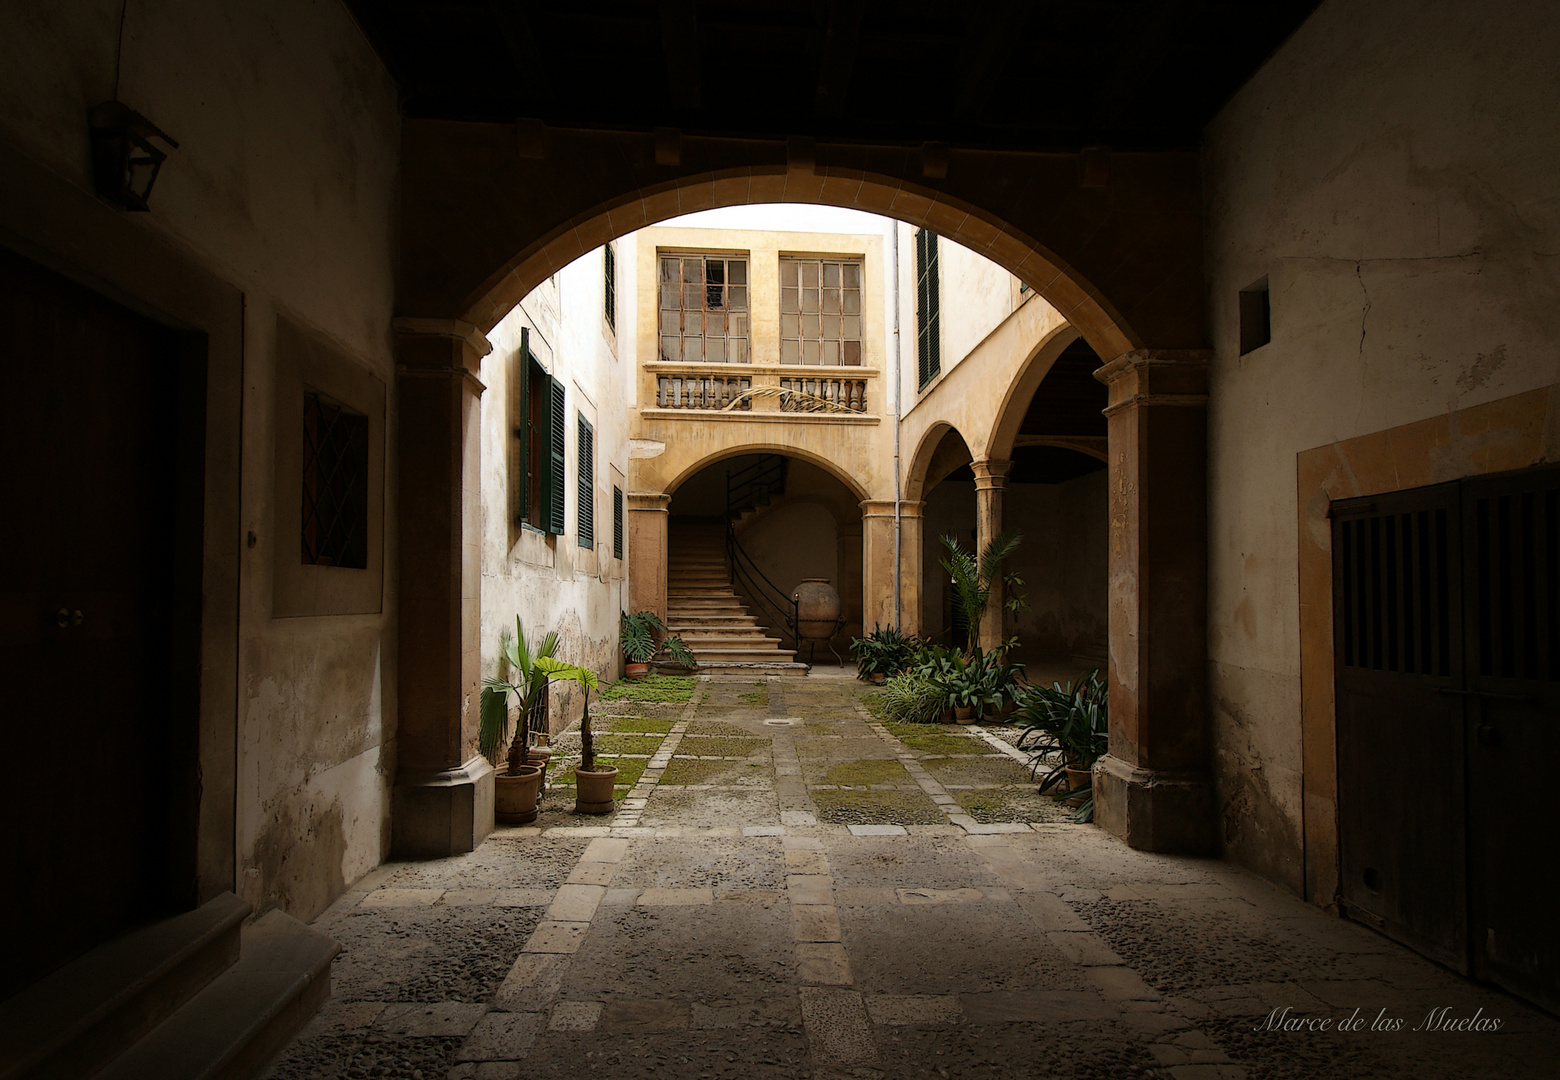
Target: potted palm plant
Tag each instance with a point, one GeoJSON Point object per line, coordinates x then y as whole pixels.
{"type": "Point", "coordinates": [593, 787]}
{"type": "Point", "coordinates": [973, 580]}
{"type": "Point", "coordinates": [519, 678]}
{"type": "Point", "coordinates": [637, 632]}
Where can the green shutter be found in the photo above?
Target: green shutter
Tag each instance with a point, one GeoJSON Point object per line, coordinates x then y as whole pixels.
{"type": "Point", "coordinates": [587, 479]}
{"type": "Point", "coordinates": [522, 427]}
{"type": "Point", "coordinates": [609, 262]}
{"type": "Point", "coordinates": [927, 315]}
{"type": "Point", "coordinates": [557, 418]}
{"type": "Point", "coordinates": [617, 522]}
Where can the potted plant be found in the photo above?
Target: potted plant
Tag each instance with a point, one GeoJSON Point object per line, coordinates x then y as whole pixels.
{"type": "Point", "coordinates": [973, 580]}
{"type": "Point", "coordinates": [1068, 731]}
{"type": "Point", "coordinates": [593, 787]}
{"type": "Point", "coordinates": [637, 633]}
{"type": "Point", "coordinates": [518, 677]}
{"type": "Point", "coordinates": [883, 653]}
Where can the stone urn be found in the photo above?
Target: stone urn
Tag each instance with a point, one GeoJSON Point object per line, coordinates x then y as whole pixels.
{"type": "Point", "coordinates": [817, 609]}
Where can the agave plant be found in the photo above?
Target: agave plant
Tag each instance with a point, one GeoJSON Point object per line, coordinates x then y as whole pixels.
{"type": "Point", "coordinates": [518, 675]}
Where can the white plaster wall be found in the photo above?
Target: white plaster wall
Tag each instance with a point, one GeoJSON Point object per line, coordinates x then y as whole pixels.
{"type": "Point", "coordinates": [284, 184]}
{"type": "Point", "coordinates": [1392, 171]}
{"type": "Point", "coordinates": [551, 582]}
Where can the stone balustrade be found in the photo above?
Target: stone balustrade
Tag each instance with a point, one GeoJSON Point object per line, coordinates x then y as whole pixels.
{"type": "Point", "coordinates": [761, 388]}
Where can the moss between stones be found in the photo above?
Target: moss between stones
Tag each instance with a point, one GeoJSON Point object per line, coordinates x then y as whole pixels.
{"type": "Point", "coordinates": [627, 744]}
{"type": "Point", "coordinates": [692, 771]}
{"type": "Point", "coordinates": [876, 808]}
{"type": "Point", "coordinates": [992, 805]}
{"type": "Point", "coordinates": [707, 727]}
{"type": "Point", "coordinates": [867, 772]}
{"type": "Point", "coordinates": [676, 689]}
{"type": "Point", "coordinates": [705, 746]}
{"type": "Point", "coordinates": [759, 695]}
{"type": "Point", "coordinates": [629, 770]}
{"type": "Point", "coordinates": [977, 770]}
{"type": "Point", "coordinates": [644, 724]}
{"type": "Point", "coordinates": [938, 742]}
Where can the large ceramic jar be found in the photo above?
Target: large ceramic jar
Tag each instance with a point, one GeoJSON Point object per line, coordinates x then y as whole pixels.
{"type": "Point", "coordinates": [817, 609]}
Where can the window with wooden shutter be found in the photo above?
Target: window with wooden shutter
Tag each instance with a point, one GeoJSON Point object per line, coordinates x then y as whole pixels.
{"type": "Point", "coordinates": [532, 403]}
{"type": "Point", "coordinates": [587, 480]}
{"type": "Point", "coordinates": [927, 316]}
{"type": "Point", "coordinates": [617, 522]}
{"type": "Point", "coordinates": [557, 475]}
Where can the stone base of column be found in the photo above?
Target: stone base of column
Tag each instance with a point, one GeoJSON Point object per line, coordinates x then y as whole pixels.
{"type": "Point", "coordinates": [1171, 812]}
{"type": "Point", "coordinates": [433, 815]}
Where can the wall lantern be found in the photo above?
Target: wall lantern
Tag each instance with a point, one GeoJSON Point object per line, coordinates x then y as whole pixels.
{"type": "Point", "coordinates": [124, 162]}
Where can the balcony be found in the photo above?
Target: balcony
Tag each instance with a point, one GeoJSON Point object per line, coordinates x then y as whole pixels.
{"type": "Point", "coordinates": [742, 391]}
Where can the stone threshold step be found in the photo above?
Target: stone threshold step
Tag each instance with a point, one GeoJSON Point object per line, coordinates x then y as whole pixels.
{"type": "Point", "coordinates": [233, 1028]}
{"type": "Point", "coordinates": [731, 667]}
{"type": "Point", "coordinates": [76, 1019]}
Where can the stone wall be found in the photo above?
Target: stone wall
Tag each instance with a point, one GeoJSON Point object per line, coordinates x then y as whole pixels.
{"type": "Point", "coordinates": [1391, 173]}
{"type": "Point", "coordinates": [283, 188]}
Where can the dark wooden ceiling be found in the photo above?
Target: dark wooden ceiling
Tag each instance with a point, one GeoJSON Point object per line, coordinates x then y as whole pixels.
{"type": "Point", "coordinates": [1043, 75]}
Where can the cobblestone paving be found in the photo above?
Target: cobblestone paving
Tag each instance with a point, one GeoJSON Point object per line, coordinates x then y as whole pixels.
{"type": "Point", "coordinates": [792, 889]}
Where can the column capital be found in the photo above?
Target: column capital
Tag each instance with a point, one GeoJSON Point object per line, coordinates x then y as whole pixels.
{"type": "Point", "coordinates": [880, 508]}
{"type": "Point", "coordinates": [990, 473]}
{"type": "Point", "coordinates": [653, 502]}
{"type": "Point", "coordinates": [448, 328]}
{"type": "Point", "coordinates": [1169, 377]}
{"type": "Point", "coordinates": [441, 348]}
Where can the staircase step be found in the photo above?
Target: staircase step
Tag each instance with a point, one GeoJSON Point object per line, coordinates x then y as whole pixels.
{"type": "Point", "coordinates": [715, 655]}
{"type": "Point", "coordinates": [740, 667]}
{"type": "Point", "coordinates": [723, 642]}
{"type": "Point", "coordinates": [234, 1027]}
{"type": "Point", "coordinates": [87, 1013]}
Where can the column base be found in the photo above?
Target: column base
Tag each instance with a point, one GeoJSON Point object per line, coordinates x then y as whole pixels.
{"type": "Point", "coordinates": [1153, 810]}
{"type": "Point", "coordinates": [434, 815]}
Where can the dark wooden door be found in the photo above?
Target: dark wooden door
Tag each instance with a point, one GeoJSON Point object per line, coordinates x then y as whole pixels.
{"type": "Point", "coordinates": [1397, 636]}
{"type": "Point", "coordinates": [1512, 703]}
{"type": "Point", "coordinates": [1447, 662]}
{"type": "Point", "coordinates": [95, 834]}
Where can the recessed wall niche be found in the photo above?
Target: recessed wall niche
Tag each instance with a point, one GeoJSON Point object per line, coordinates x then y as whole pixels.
{"type": "Point", "coordinates": [329, 503]}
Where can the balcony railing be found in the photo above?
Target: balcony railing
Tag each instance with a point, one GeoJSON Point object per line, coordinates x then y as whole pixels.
{"type": "Point", "coordinates": [767, 388]}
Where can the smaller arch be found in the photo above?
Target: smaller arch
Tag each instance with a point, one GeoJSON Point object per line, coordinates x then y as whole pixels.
{"type": "Point", "coordinates": [784, 450]}
{"type": "Point", "coordinates": [1021, 391]}
{"type": "Point", "coordinates": [926, 460]}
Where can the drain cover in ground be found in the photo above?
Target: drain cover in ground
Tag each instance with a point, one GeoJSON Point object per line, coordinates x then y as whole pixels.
{"type": "Point", "coordinates": [782, 721]}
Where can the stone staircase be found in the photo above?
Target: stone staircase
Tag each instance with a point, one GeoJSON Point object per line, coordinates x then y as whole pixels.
{"type": "Point", "coordinates": [200, 996]}
{"type": "Point", "coordinates": [705, 610]}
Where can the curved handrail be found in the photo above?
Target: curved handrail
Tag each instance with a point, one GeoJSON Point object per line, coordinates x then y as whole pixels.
{"type": "Point", "coordinates": [747, 578]}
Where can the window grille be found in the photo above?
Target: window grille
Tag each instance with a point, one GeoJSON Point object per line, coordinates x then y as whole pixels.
{"type": "Point", "coordinates": [704, 309]}
{"type": "Point", "coordinates": [820, 312]}
{"type": "Point", "coordinates": [927, 303]}
{"type": "Point", "coordinates": [587, 479]}
{"type": "Point", "coordinates": [335, 484]}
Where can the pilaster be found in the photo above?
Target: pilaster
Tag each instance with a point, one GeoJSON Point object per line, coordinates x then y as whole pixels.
{"type": "Point", "coordinates": [647, 551]}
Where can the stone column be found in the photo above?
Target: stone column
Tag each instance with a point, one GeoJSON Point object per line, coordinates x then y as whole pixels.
{"type": "Point", "coordinates": [877, 564]}
{"type": "Point", "coordinates": [647, 515]}
{"type": "Point", "coordinates": [1154, 788]}
{"type": "Point", "coordinates": [848, 578]}
{"type": "Point", "coordinates": [912, 518]}
{"type": "Point", "coordinates": [442, 803]}
{"type": "Point", "coordinates": [990, 481]}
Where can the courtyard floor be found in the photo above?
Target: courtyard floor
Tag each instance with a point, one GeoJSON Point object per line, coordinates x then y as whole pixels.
{"type": "Point", "coordinates": [790, 888]}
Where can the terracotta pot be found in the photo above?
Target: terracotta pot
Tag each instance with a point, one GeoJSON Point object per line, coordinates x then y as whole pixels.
{"type": "Point", "coordinates": [514, 797]}
{"type": "Point", "coordinates": [636, 671]}
{"type": "Point", "coordinates": [593, 795]}
{"type": "Point", "coordinates": [539, 756]}
{"type": "Point", "coordinates": [964, 714]}
{"type": "Point", "coordinates": [947, 716]}
{"type": "Point", "coordinates": [817, 609]}
{"type": "Point", "coordinates": [878, 678]}
{"type": "Point", "coordinates": [1077, 778]}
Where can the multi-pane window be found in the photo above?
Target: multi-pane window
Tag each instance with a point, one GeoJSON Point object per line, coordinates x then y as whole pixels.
{"type": "Point", "coordinates": [820, 312]}
{"type": "Point", "coordinates": [609, 281]}
{"type": "Point", "coordinates": [928, 323]}
{"type": "Point", "coordinates": [335, 484]}
{"type": "Point", "coordinates": [587, 479]}
{"type": "Point", "coordinates": [704, 309]}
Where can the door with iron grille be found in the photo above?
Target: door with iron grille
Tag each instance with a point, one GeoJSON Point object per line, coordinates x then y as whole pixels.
{"type": "Point", "coordinates": [1446, 615]}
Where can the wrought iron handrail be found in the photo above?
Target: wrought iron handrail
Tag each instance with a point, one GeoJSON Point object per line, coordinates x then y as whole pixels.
{"type": "Point", "coordinates": [764, 475]}
{"type": "Point", "coordinates": [751, 582]}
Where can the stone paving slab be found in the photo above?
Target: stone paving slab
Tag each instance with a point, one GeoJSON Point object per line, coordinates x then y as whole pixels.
{"type": "Point", "coordinates": [822, 919]}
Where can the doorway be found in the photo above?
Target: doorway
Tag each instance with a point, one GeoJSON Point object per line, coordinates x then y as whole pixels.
{"type": "Point", "coordinates": [1447, 668]}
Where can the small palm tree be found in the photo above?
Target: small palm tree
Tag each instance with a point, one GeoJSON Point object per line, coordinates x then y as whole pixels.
{"type": "Point", "coordinates": [586, 678]}
{"type": "Point", "coordinates": [974, 579]}
{"type": "Point", "coordinates": [520, 674]}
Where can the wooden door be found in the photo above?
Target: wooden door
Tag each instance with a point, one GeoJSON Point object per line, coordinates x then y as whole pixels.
{"type": "Point", "coordinates": [96, 832]}
{"type": "Point", "coordinates": [1397, 637]}
{"type": "Point", "coordinates": [1512, 701]}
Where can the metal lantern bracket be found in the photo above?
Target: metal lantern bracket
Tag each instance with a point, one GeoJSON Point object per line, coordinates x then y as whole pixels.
{"type": "Point", "coordinates": [124, 161]}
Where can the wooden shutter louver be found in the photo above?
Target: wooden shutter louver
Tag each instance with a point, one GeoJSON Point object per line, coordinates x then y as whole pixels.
{"type": "Point", "coordinates": [617, 522]}
{"type": "Point", "coordinates": [927, 302]}
{"type": "Point", "coordinates": [587, 482]}
{"type": "Point", "coordinates": [557, 476]}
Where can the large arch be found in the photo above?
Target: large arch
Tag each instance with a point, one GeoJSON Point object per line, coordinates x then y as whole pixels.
{"type": "Point", "coordinates": [828, 465]}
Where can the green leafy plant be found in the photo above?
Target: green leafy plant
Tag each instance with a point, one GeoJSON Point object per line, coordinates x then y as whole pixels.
{"type": "Point", "coordinates": [1067, 727]}
{"type": "Point", "coordinates": [911, 699]}
{"type": "Point", "coordinates": [974, 579]}
{"type": "Point", "coordinates": [885, 651]}
{"type": "Point", "coordinates": [587, 681]}
{"type": "Point", "coordinates": [638, 633]}
{"type": "Point", "coordinates": [518, 676]}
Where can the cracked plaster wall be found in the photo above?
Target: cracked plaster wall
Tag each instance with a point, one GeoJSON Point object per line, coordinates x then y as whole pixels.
{"type": "Point", "coordinates": [1391, 171]}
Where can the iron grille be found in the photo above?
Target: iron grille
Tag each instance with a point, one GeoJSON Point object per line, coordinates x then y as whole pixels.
{"type": "Point", "coordinates": [335, 484]}
{"type": "Point", "coordinates": [1516, 555]}
{"type": "Point", "coordinates": [1396, 592]}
